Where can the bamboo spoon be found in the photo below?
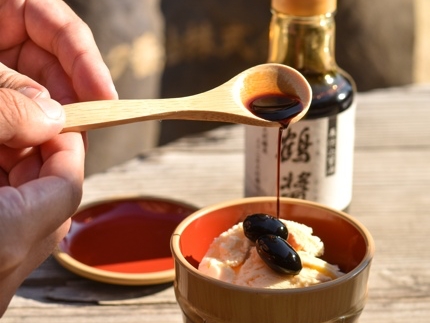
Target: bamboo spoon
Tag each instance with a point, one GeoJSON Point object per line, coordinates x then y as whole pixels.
{"type": "Point", "coordinates": [225, 103]}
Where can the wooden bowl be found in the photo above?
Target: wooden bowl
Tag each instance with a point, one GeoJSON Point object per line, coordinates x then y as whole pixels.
{"type": "Point", "coordinates": [205, 299]}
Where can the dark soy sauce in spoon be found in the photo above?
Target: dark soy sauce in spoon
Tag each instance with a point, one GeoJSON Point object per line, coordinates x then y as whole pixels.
{"type": "Point", "coordinates": [276, 107]}
{"type": "Point", "coordinates": [281, 108]}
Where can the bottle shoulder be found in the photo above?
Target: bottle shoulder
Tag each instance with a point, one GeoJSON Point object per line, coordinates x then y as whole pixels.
{"type": "Point", "coordinates": [332, 93]}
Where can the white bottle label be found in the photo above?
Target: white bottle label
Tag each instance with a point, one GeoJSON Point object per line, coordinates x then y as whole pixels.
{"type": "Point", "coordinates": [316, 160]}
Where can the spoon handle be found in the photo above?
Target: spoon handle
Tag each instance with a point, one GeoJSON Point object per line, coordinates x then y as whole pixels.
{"type": "Point", "coordinates": [99, 114]}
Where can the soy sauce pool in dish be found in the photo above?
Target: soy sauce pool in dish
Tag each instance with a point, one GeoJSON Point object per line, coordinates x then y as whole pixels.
{"type": "Point", "coordinates": [130, 235]}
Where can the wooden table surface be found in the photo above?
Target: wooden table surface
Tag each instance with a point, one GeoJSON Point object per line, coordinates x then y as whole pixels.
{"type": "Point", "coordinates": [391, 197]}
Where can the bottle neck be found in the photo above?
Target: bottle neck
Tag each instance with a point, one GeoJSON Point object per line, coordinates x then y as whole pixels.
{"type": "Point", "coordinates": [304, 43]}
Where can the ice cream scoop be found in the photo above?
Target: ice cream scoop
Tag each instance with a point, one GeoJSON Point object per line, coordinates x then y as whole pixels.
{"type": "Point", "coordinates": [233, 259]}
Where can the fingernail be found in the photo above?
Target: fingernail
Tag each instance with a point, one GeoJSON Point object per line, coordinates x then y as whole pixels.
{"type": "Point", "coordinates": [33, 93]}
{"type": "Point", "coordinates": [52, 109]}
{"type": "Point", "coordinates": [114, 91]}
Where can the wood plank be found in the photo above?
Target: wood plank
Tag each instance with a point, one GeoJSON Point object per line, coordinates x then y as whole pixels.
{"type": "Point", "coordinates": [391, 185]}
{"type": "Point", "coordinates": [395, 117]}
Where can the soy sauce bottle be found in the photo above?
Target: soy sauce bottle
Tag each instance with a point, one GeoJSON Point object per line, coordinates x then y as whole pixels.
{"type": "Point", "coordinates": [316, 152]}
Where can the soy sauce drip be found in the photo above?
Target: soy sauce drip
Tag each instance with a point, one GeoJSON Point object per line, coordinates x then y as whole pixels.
{"type": "Point", "coordinates": [281, 108]}
{"type": "Point", "coordinates": [278, 171]}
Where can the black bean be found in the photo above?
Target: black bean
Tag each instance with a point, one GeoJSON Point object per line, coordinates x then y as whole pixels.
{"type": "Point", "coordinates": [258, 224]}
{"type": "Point", "coordinates": [278, 254]}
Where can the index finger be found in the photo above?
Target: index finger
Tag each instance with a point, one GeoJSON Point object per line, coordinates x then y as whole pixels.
{"type": "Point", "coordinates": [56, 28]}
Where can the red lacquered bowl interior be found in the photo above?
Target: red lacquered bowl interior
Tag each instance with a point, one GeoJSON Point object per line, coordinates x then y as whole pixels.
{"type": "Point", "coordinates": [344, 240]}
{"type": "Point", "coordinates": [126, 236]}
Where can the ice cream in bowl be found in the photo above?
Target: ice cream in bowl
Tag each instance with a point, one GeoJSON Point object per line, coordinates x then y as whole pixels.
{"type": "Point", "coordinates": [311, 267]}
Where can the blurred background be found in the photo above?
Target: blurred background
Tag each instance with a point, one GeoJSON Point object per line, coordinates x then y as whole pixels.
{"type": "Point", "coordinates": [172, 48]}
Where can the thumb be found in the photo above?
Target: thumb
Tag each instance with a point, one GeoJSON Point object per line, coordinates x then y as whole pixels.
{"type": "Point", "coordinates": [28, 116]}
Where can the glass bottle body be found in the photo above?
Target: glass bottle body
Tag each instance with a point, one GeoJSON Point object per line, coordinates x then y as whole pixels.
{"type": "Point", "coordinates": [316, 152]}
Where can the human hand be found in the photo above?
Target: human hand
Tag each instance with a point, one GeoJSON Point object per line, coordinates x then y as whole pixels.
{"type": "Point", "coordinates": [41, 171]}
{"type": "Point", "coordinates": [41, 176]}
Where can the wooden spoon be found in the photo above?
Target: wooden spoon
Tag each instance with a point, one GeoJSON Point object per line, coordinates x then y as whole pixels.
{"type": "Point", "coordinates": [226, 103]}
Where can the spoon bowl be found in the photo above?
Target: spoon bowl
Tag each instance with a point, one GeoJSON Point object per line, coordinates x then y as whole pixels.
{"type": "Point", "coordinates": [228, 102]}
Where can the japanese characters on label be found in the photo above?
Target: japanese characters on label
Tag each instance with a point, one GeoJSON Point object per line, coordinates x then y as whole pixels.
{"type": "Point", "coordinates": [316, 160]}
{"type": "Point", "coordinates": [296, 147]}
